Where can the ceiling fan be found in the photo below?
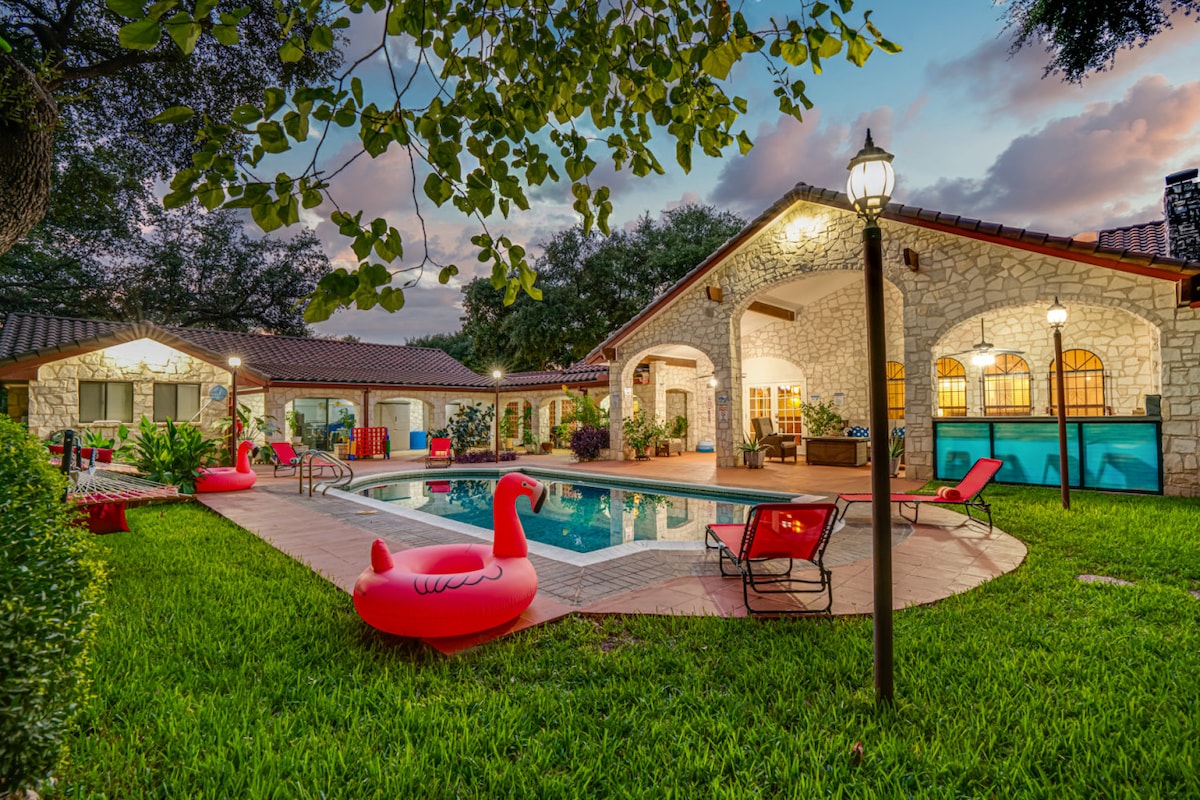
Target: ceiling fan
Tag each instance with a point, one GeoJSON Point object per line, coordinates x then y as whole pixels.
{"type": "Point", "coordinates": [984, 353]}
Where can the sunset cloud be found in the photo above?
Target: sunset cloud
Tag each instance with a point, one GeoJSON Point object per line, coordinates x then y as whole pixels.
{"type": "Point", "coordinates": [1100, 168]}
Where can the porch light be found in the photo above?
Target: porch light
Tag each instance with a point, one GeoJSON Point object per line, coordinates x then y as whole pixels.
{"type": "Point", "coordinates": [1057, 315]}
{"type": "Point", "coordinates": [871, 180]}
{"type": "Point", "coordinates": [712, 382]}
{"type": "Point", "coordinates": [984, 358]}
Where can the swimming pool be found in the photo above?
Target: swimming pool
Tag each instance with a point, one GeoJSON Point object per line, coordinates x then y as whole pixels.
{"type": "Point", "coordinates": [581, 514]}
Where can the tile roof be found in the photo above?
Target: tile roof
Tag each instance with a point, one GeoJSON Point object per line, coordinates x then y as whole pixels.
{"type": "Point", "coordinates": [1149, 237]}
{"type": "Point", "coordinates": [278, 359]}
{"type": "Point", "coordinates": [1112, 257]}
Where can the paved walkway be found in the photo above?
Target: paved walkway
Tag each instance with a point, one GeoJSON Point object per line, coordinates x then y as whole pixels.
{"type": "Point", "coordinates": [933, 560]}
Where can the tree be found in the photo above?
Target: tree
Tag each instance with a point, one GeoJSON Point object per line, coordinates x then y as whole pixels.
{"type": "Point", "coordinates": [491, 98]}
{"type": "Point", "coordinates": [190, 268]}
{"type": "Point", "coordinates": [458, 345]}
{"type": "Point", "coordinates": [591, 285]}
{"type": "Point", "coordinates": [1083, 36]}
{"type": "Point", "coordinates": [76, 64]}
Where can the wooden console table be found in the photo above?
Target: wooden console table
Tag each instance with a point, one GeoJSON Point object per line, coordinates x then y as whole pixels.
{"type": "Point", "coordinates": [836, 451]}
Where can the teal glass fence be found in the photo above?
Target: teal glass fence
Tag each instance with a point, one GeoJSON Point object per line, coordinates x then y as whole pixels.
{"type": "Point", "coordinates": [1102, 452]}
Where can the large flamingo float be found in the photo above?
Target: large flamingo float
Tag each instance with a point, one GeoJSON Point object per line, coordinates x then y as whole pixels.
{"type": "Point", "coordinates": [453, 589]}
{"type": "Point", "coordinates": [228, 479]}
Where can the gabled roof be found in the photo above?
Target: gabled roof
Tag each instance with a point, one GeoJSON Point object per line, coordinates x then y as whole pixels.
{"type": "Point", "coordinates": [1112, 257]}
{"type": "Point", "coordinates": [31, 339]}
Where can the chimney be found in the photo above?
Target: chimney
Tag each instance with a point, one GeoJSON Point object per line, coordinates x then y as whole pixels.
{"type": "Point", "coordinates": [1181, 207]}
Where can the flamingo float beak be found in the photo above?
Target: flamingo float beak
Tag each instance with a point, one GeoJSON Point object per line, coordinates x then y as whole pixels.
{"type": "Point", "coordinates": [538, 497]}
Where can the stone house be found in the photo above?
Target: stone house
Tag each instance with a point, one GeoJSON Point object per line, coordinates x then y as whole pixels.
{"type": "Point", "coordinates": [59, 373]}
{"type": "Point", "coordinates": [776, 317]}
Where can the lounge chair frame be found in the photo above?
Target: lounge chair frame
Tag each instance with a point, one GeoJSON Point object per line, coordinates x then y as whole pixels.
{"type": "Point", "coordinates": [777, 445]}
{"type": "Point", "coordinates": [971, 488]}
{"type": "Point", "coordinates": [746, 563]}
{"type": "Point", "coordinates": [283, 461]}
{"type": "Point", "coordinates": [439, 460]}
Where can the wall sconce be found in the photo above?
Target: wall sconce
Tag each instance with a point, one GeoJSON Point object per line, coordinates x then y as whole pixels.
{"type": "Point", "coordinates": [912, 259]}
{"type": "Point", "coordinates": [714, 293]}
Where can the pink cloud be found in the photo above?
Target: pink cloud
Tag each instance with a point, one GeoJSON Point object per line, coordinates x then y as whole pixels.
{"type": "Point", "coordinates": [786, 152]}
{"type": "Point", "coordinates": [1100, 168]}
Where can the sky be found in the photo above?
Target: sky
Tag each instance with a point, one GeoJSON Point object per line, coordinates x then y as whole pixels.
{"type": "Point", "coordinates": [975, 132]}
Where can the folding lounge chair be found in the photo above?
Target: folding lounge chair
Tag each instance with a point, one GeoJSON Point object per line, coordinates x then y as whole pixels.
{"type": "Point", "coordinates": [440, 454]}
{"type": "Point", "coordinates": [968, 493]}
{"type": "Point", "coordinates": [774, 532]}
{"type": "Point", "coordinates": [286, 458]}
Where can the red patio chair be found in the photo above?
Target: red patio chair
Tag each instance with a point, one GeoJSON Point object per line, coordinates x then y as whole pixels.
{"type": "Point", "coordinates": [774, 532]}
{"type": "Point", "coordinates": [968, 493]}
{"type": "Point", "coordinates": [287, 458]}
{"type": "Point", "coordinates": [440, 454]}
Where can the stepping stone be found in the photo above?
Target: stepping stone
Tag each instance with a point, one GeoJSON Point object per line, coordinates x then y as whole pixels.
{"type": "Point", "coordinates": [1103, 579]}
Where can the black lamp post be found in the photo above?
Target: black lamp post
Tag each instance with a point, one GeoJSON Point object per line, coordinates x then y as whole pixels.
{"type": "Point", "coordinates": [497, 375]}
{"type": "Point", "coordinates": [234, 363]}
{"type": "Point", "coordinates": [870, 188]}
{"type": "Point", "coordinates": [1057, 317]}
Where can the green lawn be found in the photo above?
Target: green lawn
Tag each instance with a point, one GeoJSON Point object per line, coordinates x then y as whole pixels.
{"type": "Point", "coordinates": [225, 670]}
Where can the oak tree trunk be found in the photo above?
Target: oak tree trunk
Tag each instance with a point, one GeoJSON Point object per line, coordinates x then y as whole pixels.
{"type": "Point", "coordinates": [28, 116]}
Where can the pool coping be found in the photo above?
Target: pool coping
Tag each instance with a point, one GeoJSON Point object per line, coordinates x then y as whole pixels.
{"type": "Point", "coordinates": [559, 554]}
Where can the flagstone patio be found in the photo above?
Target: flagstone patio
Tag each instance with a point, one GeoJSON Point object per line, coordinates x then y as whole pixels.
{"type": "Point", "coordinates": [932, 560]}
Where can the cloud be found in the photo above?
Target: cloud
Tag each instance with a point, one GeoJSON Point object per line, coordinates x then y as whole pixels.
{"type": "Point", "coordinates": [1100, 168]}
{"type": "Point", "coordinates": [788, 151]}
{"type": "Point", "coordinates": [1007, 84]}
{"type": "Point", "coordinates": [428, 309]}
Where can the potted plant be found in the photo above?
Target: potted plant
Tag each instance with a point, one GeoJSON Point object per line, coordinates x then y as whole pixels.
{"type": "Point", "coordinates": [295, 423]}
{"type": "Point", "coordinates": [640, 434]}
{"type": "Point", "coordinates": [895, 453]}
{"type": "Point", "coordinates": [821, 420]}
{"type": "Point", "coordinates": [754, 453]}
{"type": "Point", "coordinates": [508, 428]}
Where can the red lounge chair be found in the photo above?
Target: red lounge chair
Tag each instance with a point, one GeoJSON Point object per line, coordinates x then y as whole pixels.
{"type": "Point", "coordinates": [440, 454]}
{"type": "Point", "coordinates": [968, 493]}
{"type": "Point", "coordinates": [287, 458]}
{"type": "Point", "coordinates": [777, 531]}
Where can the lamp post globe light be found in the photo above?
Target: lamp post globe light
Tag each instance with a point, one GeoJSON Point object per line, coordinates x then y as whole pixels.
{"type": "Point", "coordinates": [870, 187]}
{"type": "Point", "coordinates": [234, 363]}
{"type": "Point", "coordinates": [1057, 317]}
{"type": "Point", "coordinates": [497, 375]}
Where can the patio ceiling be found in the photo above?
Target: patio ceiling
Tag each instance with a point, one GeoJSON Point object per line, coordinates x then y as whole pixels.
{"type": "Point", "coordinates": [797, 294]}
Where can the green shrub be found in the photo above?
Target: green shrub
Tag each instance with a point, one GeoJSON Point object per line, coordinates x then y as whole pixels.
{"type": "Point", "coordinates": [471, 426]}
{"type": "Point", "coordinates": [49, 592]}
{"type": "Point", "coordinates": [173, 453]}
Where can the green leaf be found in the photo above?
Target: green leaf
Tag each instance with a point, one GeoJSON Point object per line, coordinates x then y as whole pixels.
{"type": "Point", "coordinates": [292, 50]}
{"type": "Point", "coordinates": [391, 299]}
{"type": "Point", "coordinates": [321, 38]}
{"type": "Point", "coordinates": [438, 189]}
{"type": "Point", "coordinates": [273, 100]}
{"type": "Point", "coordinates": [184, 31]}
{"type": "Point", "coordinates": [172, 116]}
{"type": "Point", "coordinates": [141, 35]}
{"type": "Point", "coordinates": [446, 273]}
{"type": "Point", "coordinates": [126, 8]}
{"type": "Point", "coordinates": [744, 143]}
{"type": "Point", "coordinates": [719, 60]}
{"type": "Point", "coordinates": [245, 114]}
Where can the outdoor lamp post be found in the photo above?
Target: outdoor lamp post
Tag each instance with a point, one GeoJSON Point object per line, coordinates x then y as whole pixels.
{"type": "Point", "coordinates": [1057, 317]}
{"type": "Point", "coordinates": [870, 187]}
{"type": "Point", "coordinates": [496, 376]}
{"type": "Point", "coordinates": [234, 363]}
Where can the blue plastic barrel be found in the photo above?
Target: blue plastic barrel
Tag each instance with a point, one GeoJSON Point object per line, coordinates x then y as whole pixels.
{"type": "Point", "coordinates": [416, 440]}
{"type": "Point", "coordinates": [705, 446]}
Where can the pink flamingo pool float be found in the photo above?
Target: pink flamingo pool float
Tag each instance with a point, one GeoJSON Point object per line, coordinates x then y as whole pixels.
{"type": "Point", "coordinates": [228, 479]}
{"type": "Point", "coordinates": [454, 589]}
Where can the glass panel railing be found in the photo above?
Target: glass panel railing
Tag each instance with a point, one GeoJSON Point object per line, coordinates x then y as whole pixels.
{"type": "Point", "coordinates": [1029, 451]}
{"type": "Point", "coordinates": [959, 446]}
{"type": "Point", "coordinates": [1122, 456]}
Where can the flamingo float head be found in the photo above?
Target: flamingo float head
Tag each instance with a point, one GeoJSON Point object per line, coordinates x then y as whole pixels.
{"type": "Point", "coordinates": [509, 535]}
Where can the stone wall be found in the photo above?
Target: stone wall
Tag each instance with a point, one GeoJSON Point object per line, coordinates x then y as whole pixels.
{"type": "Point", "coordinates": [1181, 207]}
{"type": "Point", "coordinates": [54, 396]}
{"type": "Point", "coordinates": [1132, 322]}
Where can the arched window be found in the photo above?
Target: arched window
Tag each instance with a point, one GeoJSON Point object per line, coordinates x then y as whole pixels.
{"type": "Point", "coordinates": [1083, 380]}
{"type": "Point", "coordinates": [1006, 387]}
{"type": "Point", "coordinates": [895, 390]}
{"type": "Point", "coordinates": [951, 388]}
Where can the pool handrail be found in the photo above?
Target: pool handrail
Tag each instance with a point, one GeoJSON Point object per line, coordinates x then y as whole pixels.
{"type": "Point", "coordinates": [344, 474]}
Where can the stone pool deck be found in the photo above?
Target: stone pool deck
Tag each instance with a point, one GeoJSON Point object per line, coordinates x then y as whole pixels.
{"type": "Point", "coordinates": [938, 558]}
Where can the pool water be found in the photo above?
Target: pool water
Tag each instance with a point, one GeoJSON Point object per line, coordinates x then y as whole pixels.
{"type": "Point", "coordinates": [582, 516]}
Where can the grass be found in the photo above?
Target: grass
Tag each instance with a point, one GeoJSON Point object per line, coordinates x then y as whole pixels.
{"type": "Point", "coordinates": [227, 670]}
